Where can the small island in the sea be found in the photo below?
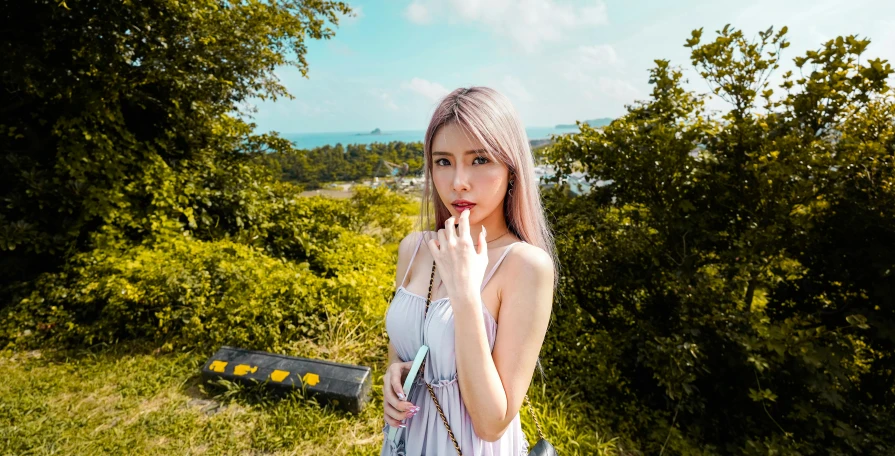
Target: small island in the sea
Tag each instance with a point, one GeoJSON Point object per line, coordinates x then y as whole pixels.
{"type": "Point", "coordinates": [374, 132]}
{"type": "Point", "coordinates": [601, 122]}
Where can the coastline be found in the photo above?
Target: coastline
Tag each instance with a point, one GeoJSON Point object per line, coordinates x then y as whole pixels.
{"type": "Point", "coordinates": [536, 136]}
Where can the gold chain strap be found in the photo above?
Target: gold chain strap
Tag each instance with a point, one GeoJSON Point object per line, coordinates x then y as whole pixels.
{"type": "Point", "coordinates": [537, 425]}
{"type": "Point", "coordinates": [432, 392]}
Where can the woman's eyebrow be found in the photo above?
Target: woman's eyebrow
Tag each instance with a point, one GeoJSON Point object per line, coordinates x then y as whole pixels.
{"type": "Point", "coordinates": [477, 151]}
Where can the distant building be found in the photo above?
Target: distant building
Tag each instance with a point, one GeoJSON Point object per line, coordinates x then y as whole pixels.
{"type": "Point", "coordinates": [578, 184]}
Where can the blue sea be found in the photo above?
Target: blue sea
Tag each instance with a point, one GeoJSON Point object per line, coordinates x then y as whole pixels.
{"type": "Point", "coordinates": [312, 140]}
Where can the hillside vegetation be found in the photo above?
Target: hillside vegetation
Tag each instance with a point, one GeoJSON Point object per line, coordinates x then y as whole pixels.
{"type": "Point", "coordinates": [733, 290]}
{"type": "Point", "coordinates": [730, 292]}
{"type": "Point", "coordinates": [142, 229]}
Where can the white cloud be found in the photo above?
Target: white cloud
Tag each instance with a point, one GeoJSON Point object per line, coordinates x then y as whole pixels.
{"type": "Point", "coordinates": [586, 63]}
{"type": "Point", "coordinates": [595, 14]}
{"type": "Point", "coordinates": [515, 89]}
{"type": "Point", "coordinates": [432, 91]}
{"type": "Point", "coordinates": [417, 13]}
{"type": "Point", "coordinates": [599, 55]}
{"type": "Point", "coordinates": [595, 71]}
{"type": "Point", "coordinates": [617, 89]}
{"type": "Point", "coordinates": [385, 98]}
{"type": "Point", "coordinates": [799, 15]}
{"type": "Point", "coordinates": [529, 23]}
{"type": "Point", "coordinates": [883, 46]}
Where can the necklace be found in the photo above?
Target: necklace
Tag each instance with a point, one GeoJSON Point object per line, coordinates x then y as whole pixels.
{"type": "Point", "coordinates": [492, 240]}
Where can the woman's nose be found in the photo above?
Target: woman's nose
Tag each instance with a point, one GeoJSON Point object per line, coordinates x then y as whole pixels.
{"type": "Point", "coordinates": [461, 180]}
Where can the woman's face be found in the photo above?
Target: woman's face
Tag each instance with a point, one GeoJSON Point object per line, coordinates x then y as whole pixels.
{"type": "Point", "coordinates": [461, 169]}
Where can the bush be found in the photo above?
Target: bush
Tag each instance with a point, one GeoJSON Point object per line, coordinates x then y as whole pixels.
{"type": "Point", "coordinates": [271, 285]}
{"type": "Point", "coordinates": [733, 288]}
{"type": "Point", "coordinates": [183, 292]}
{"type": "Point", "coordinates": [131, 114]}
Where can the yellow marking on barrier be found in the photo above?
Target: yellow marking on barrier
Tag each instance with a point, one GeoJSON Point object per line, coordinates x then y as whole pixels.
{"type": "Point", "coordinates": [243, 369]}
{"type": "Point", "coordinates": [217, 366]}
{"type": "Point", "coordinates": [278, 375]}
{"type": "Point", "coordinates": [311, 379]}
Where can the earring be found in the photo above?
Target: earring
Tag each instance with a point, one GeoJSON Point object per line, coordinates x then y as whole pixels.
{"type": "Point", "coordinates": [510, 191]}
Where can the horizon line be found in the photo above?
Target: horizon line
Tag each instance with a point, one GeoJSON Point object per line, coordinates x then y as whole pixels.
{"type": "Point", "coordinates": [367, 132]}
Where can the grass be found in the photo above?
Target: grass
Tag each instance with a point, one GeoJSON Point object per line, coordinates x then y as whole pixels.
{"type": "Point", "coordinates": [126, 400]}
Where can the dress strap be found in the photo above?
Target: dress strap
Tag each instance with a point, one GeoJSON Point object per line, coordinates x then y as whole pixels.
{"type": "Point", "coordinates": [409, 265]}
{"type": "Point", "coordinates": [499, 260]}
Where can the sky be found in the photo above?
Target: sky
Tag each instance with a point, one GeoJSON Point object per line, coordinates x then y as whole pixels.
{"type": "Point", "coordinates": [557, 60]}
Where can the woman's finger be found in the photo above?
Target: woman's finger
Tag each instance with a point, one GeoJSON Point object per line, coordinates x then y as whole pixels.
{"type": "Point", "coordinates": [395, 407]}
{"type": "Point", "coordinates": [394, 417]}
{"type": "Point", "coordinates": [398, 412]}
{"type": "Point", "coordinates": [449, 229]}
{"type": "Point", "coordinates": [398, 389]}
{"type": "Point", "coordinates": [442, 239]}
{"type": "Point", "coordinates": [433, 248]}
{"type": "Point", "coordinates": [391, 421]}
{"type": "Point", "coordinates": [463, 229]}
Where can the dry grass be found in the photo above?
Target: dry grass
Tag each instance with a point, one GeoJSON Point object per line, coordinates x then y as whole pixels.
{"type": "Point", "coordinates": [125, 400]}
{"type": "Point", "coordinates": [128, 401]}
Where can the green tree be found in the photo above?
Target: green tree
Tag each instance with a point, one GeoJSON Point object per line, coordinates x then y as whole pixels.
{"type": "Point", "coordinates": [356, 161]}
{"type": "Point", "coordinates": [733, 288]}
{"type": "Point", "coordinates": [131, 115]}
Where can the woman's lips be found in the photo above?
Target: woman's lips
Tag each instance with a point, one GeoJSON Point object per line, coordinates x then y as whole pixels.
{"type": "Point", "coordinates": [462, 208]}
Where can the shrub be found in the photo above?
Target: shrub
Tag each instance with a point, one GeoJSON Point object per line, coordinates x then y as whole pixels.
{"type": "Point", "coordinates": [184, 292]}
{"type": "Point", "coordinates": [733, 287]}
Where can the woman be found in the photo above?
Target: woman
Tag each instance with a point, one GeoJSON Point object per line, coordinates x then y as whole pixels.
{"type": "Point", "coordinates": [484, 326]}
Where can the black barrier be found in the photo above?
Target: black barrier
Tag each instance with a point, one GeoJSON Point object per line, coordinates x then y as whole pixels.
{"type": "Point", "coordinates": [345, 386]}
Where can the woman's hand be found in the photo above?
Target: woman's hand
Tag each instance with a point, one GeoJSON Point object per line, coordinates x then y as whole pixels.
{"type": "Point", "coordinates": [462, 267]}
{"type": "Point", "coordinates": [397, 408]}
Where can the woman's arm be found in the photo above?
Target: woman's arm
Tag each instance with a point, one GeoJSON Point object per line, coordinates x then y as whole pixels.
{"type": "Point", "coordinates": [392, 355]}
{"type": "Point", "coordinates": [405, 250]}
{"type": "Point", "coordinates": [494, 384]}
{"type": "Point", "coordinates": [395, 406]}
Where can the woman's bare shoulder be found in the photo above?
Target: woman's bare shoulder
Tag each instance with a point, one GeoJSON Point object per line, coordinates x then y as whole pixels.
{"type": "Point", "coordinates": [409, 242]}
{"type": "Point", "coordinates": [529, 269]}
{"type": "Point", "coordinates": [405, 251]}
{"type": "Point", "coordinates": [528, 257]}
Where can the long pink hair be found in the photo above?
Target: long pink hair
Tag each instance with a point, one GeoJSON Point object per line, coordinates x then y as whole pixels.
{"type": "Point", "coordinates": [490, 117]}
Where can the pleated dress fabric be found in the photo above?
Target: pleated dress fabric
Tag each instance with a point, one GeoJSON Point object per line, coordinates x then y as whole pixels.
{"type": "Point", "coordinates": [425, 433]}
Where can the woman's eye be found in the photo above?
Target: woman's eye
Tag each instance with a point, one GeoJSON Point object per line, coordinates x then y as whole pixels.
{"type": "Point", "coordinates": [438, 162]}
